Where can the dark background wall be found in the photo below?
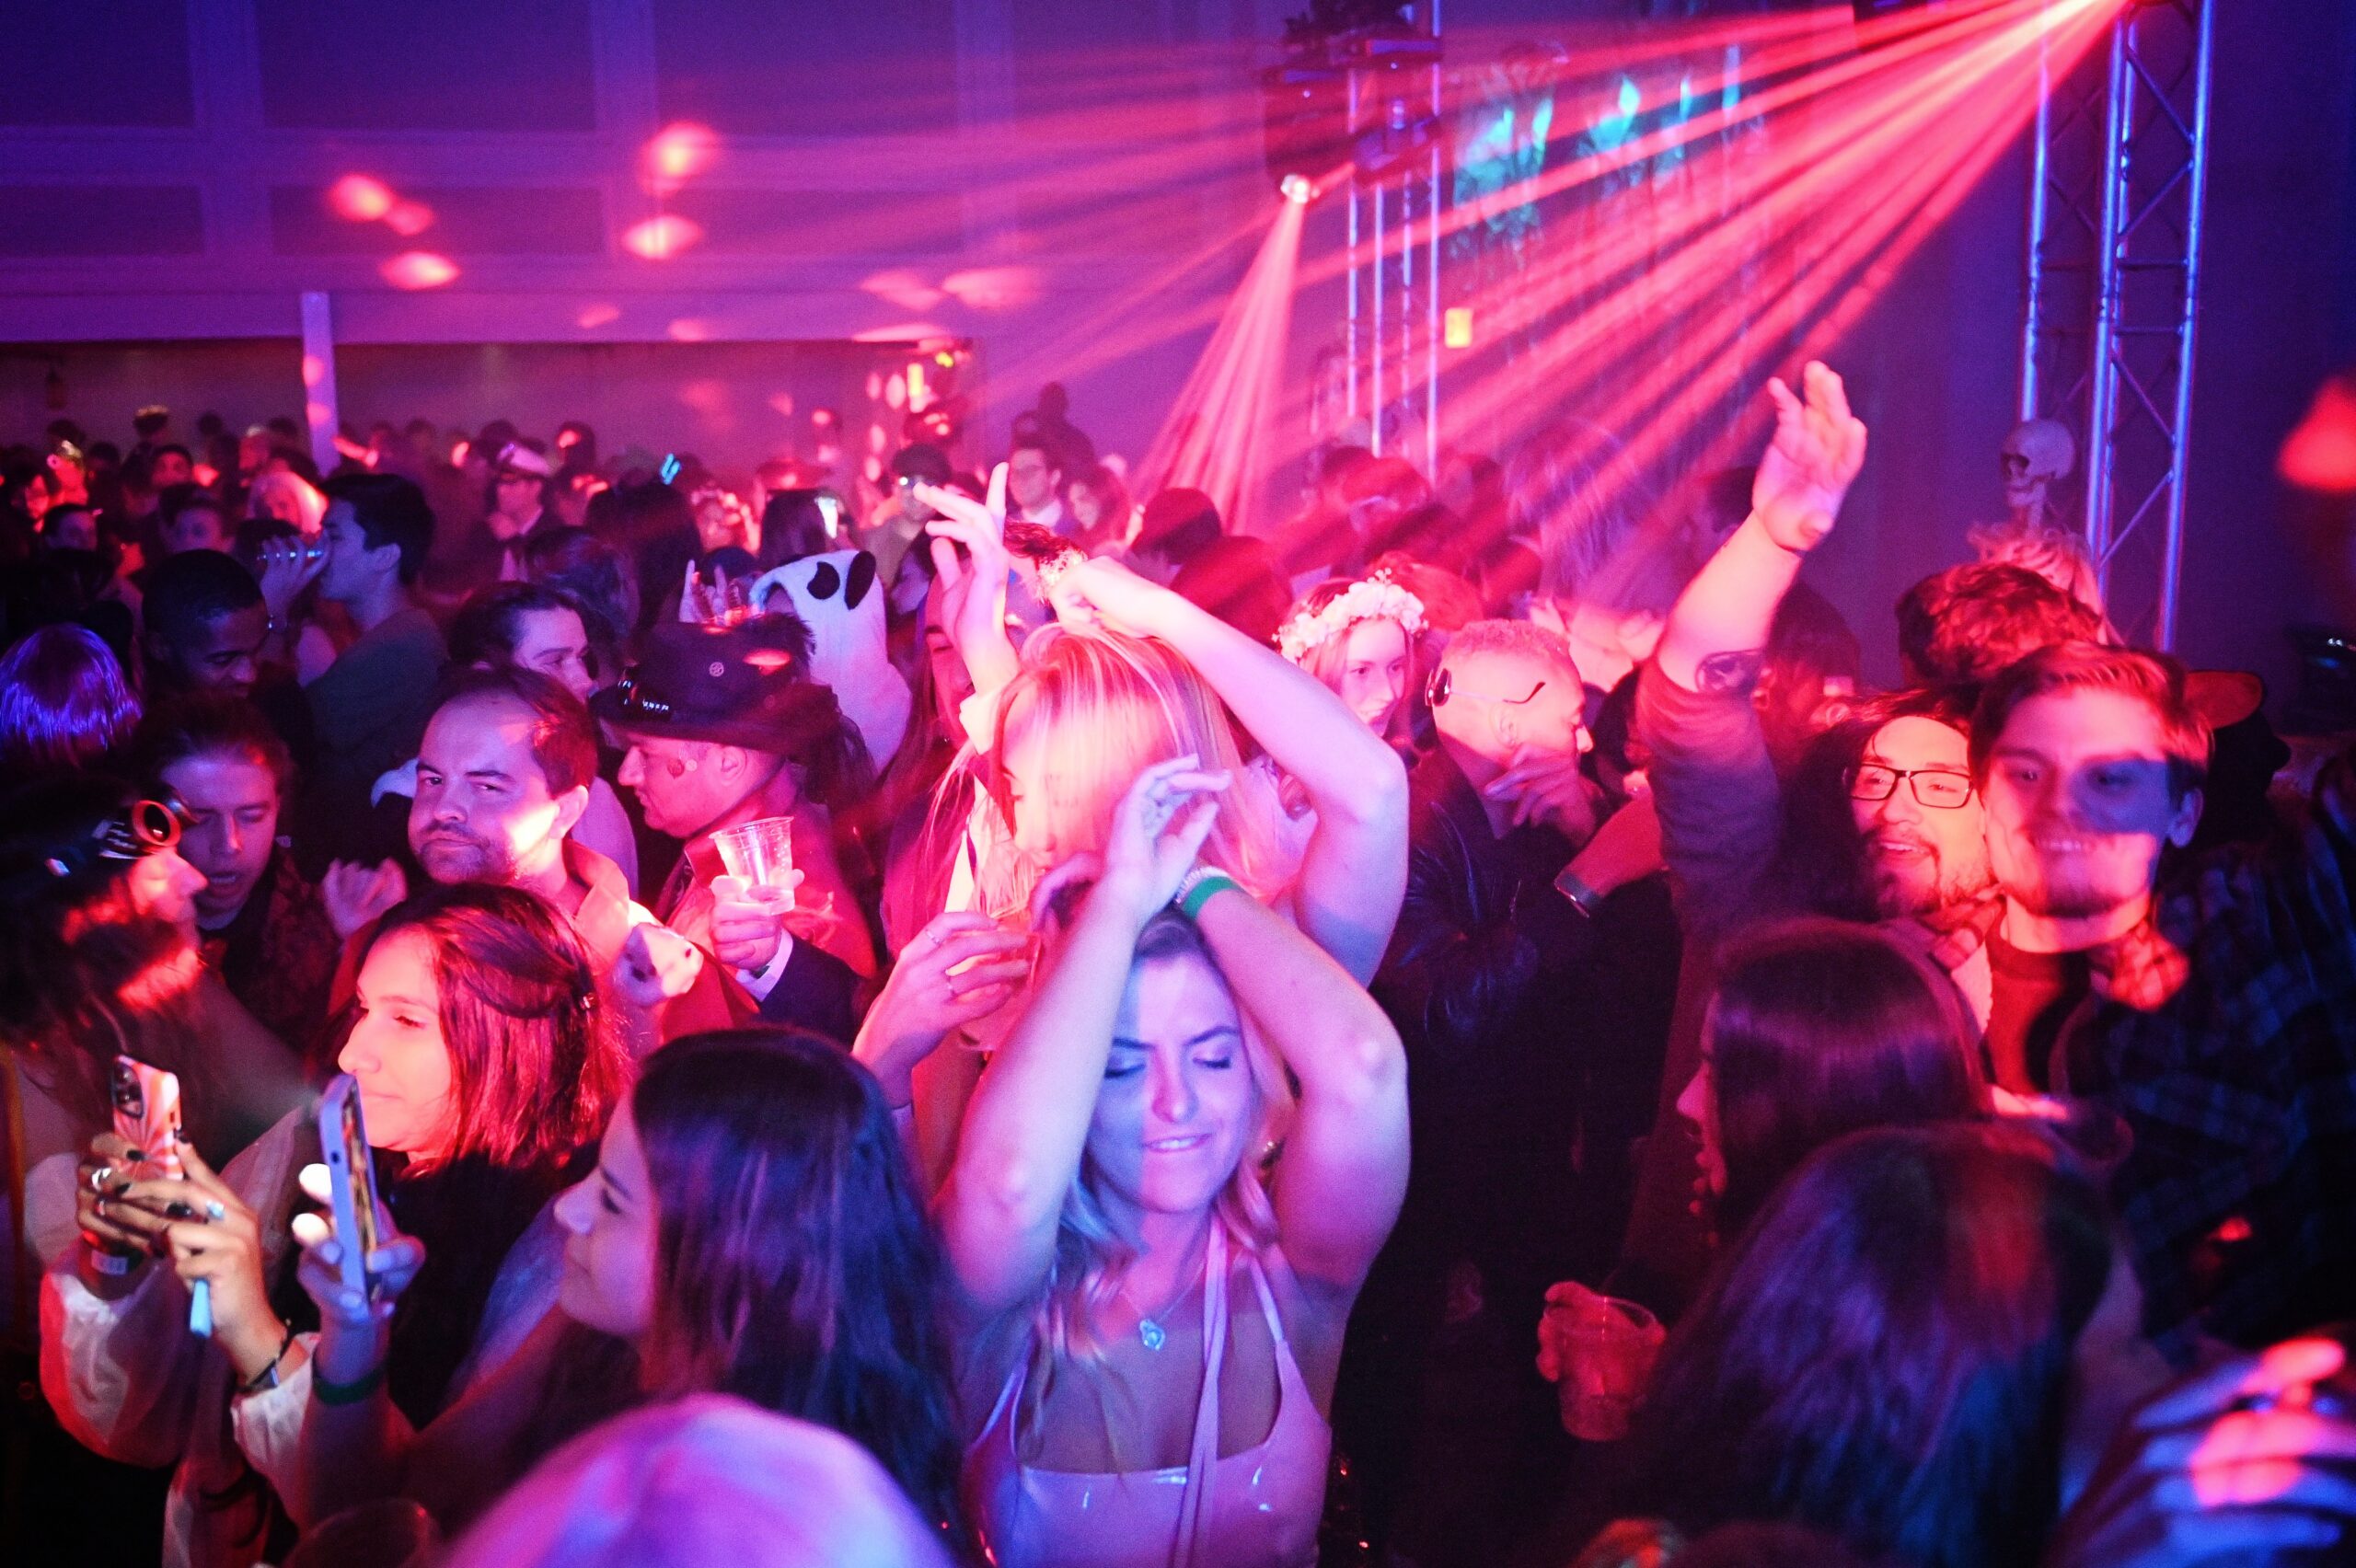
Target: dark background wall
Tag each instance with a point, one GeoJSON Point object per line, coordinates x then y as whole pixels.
{"type": "Point", "coordinates": [160, 179]}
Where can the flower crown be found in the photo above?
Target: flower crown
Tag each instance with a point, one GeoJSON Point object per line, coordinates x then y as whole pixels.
{"type": "Point", "coordinates": [1374, 598]}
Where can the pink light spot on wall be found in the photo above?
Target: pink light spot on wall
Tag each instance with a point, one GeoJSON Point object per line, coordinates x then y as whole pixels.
{"type": "Point", "coordinates": [315, 413]}
{"type": "Point", "coordinates": [782, 402]}
{"type": "Point", "coordinates": [907, 290]}
{"type": "Point", "coordinates": [896, 394]}
{"type": "Point", "coordinates": [360, 198]}
{"type": "Point", "coordinates": [677, 153]}
{"type": "Point", "coordinates": [690, 330]}
{"type": "Point", "coordinates": [660, 238]}
{"type": "Point", "coordinates": [313, 368]}
{"type": "Point", "coordinates": [877, 441]}
{"type": "Point", "coordinates": [873, 469]}
{"type": "Point", "coordinates": [874, 384]}
{"type": "Point", "coordinates": [705, 396]}
{"type": "Point", "coordinates": [598, 315]}
{"type": "Point", "coordinates": [410, 219]}
{"type": "Point", "coordinates": [903, 332]}
{"type": "Point", "coordinates": [417, 270]}
{"type": "Point", "coordinates": [992, 288]}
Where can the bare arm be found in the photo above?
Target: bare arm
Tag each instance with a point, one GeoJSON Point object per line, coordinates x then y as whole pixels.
{"type": "Point", "coordinates": [1354, 870]}
{"type": "Point", "coordinates": [1345, 1166]}
{"type": "Point", "coordinates": [1716, 634]}
{"type": "Point", "coordinates": [1027, 1123]}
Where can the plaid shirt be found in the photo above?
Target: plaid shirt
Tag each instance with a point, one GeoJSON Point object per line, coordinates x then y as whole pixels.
{"type": "Point", "coordinates": [2224, 1033]}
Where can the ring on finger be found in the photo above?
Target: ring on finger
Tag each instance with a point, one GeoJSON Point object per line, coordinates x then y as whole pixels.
{"type": "Point", "coordinates": [215, 1212]}
{"type": "Point", "coordinates": [100, 1178]}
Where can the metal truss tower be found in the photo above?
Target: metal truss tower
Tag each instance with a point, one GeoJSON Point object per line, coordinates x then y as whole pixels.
{"type": "Point", "coordinates": [2119, 184]}
{"type": "Point", "coordinates": [1395, 200]}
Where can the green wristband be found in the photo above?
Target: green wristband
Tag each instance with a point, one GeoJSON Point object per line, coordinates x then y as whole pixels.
{"type": "Point", "coordinates": [1201, 886]}
{"type": "Point", "coordinates": [328, 1393]}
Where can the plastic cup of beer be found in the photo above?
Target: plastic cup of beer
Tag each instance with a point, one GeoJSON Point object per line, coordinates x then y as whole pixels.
{"type": "Point", "coordinates": [1606, 1347]}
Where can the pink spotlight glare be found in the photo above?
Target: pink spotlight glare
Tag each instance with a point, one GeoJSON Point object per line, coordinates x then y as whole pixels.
{"type": "Point", "coordinates": [660, 238]}
{"type": "Point", "coordinates": [410, 219]}
{"type": "Point", "coordinates": [689, 330]}
{"type": "Point", "coordinates": [598, 315]}
{"type": "Point", "coordinates": [1298, 189]}
{"type": "Point", "coordinates": [417, 270]}
{"type": "Point", "coordinates": [360, 198]}
{"type": "Point", "coordinates": [677, 153]}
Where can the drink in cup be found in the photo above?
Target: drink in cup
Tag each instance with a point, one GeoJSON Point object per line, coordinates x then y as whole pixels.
{"type": "Point", "coordinates": [1606, 1348]}
{"type": "Point", "coordinates": [758, 853]}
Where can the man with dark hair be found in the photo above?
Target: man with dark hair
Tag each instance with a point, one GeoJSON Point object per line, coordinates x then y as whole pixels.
{"type": "Point", "coordinates": [190, 518]}
{"type": "Point", "coordinates": [1961, 626]}
{"type": "Point", "coordinates": [172, 464]}
{"type": "Point", "coordinates": [1034, 484]}
{"type": "Point", "coordinates": [2211, 1005]}
{"type": "Point", "coordinates": [892, 528]}
{"type": "Point", "coordinates": [503, 775]}
{"type": "Point", "coordinates": [207, 626]}
{"type": "Point", "coordinates": [369, 708]}
{"type": "Point", "coordinates": [724, 727]}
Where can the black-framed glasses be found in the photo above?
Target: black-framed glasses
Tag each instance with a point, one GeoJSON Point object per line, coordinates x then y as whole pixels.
{"type": "Point", "coordinates": [1941, 789]}
{"type": "Point", "coordinates": [1442, 686]}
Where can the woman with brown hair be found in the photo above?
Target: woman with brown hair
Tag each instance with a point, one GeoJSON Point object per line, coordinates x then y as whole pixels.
{"type": "Point", "coordinates": [487, 1066]}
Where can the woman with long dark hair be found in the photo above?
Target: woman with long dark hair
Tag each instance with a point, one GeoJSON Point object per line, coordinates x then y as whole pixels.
{"type": "Point", "coordinates": [751, 1230]}
{"type": "Point", "coordinates": [1818, 1028]}
{"type": "Point", "coordinates": [487, 1066]}
{"type": "Point", "coordinates": [1924, 1328]}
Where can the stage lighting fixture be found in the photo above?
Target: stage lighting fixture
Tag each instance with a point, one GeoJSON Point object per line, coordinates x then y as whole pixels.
{"type": "Point", "coordinates": [1298, 189]}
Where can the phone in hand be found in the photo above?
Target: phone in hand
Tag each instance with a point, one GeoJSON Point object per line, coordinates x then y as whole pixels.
{"type": "Point", "coordinates": [352, 1179]}
{"type": "Point", "coordinates": [148, 1117]}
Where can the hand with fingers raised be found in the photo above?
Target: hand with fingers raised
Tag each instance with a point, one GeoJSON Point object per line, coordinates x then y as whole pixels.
{"type": "Point", "coordinates": [961, 968]}
{"type": "Point", "coordinates": [1807, 470]}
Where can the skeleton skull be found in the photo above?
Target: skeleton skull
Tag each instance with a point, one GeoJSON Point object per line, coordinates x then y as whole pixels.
{"type": "Point", "coordinates": [2037, 453]}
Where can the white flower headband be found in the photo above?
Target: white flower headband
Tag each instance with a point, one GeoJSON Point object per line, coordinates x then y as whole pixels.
{"type": "Point", "coordinates": [1375, 598]}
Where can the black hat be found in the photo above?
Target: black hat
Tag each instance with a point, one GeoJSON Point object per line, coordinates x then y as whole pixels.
{"type": "Point", "coordinates": [747, 684]}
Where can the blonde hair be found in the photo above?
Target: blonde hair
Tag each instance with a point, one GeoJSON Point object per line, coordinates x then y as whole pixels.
{"type": "Point", "coordinates": [1093, 1258]}
{"type": "Point", "coordinates": [310, 506]}
{"type": "Point", "coordinates": [1112, 705]}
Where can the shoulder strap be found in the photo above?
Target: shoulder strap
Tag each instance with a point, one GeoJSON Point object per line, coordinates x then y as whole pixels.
{"type": "Point", "coordinates": [1202, 1464]}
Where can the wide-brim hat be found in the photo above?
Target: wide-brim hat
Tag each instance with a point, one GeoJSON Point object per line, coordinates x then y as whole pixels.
{"type": "Point", "coordinates": [747, 684]}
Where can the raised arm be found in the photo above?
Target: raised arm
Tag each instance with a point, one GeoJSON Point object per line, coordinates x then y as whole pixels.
{"type": "Point", "coordinates": [1345, 1166]}
{"type": "Point", "coordinates": [1027, 1123]}
{"type": "Point", "coordinates": [1355, 870]}
{"type": "Point", "coordinates": [1716, 634]}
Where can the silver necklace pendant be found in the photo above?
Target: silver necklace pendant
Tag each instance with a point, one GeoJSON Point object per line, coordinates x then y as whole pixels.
{"type": "Point", "coordinates": [1150, 1333]}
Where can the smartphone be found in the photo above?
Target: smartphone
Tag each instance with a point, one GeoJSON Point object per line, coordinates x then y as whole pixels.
{"type": "Point", "coordinates": [351, 1178]}
{"type": "Point", "coordinates": [147, 1115]}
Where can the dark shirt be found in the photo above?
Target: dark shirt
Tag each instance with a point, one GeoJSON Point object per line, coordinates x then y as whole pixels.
{"type": "Point", "coordinates": [279, 955]}
{"type": "Point", "coordinates": [369, 712]}
{"type": "Point", "coordinates": [2034, 994]}
{"type": "Point", "coordinates": [2224, 1032]}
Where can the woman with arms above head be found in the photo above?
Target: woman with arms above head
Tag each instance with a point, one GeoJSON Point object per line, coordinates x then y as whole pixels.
{"type": "Point", "coordinates": [1156, 1248]}
{"type": "Point", "coordinates": [1138, 675]}
{"type": "Point", "coordinates": [750, 1230]}
{"type": "Point", "coordinates": [486, 1067]}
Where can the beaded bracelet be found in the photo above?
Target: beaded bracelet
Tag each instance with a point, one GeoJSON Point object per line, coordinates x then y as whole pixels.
{"type": "Point", "coordinates": [1201, 885]}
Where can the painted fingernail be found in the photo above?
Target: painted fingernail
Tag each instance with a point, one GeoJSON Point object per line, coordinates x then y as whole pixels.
{"type": "Point", "coordinates": [178, 1210]}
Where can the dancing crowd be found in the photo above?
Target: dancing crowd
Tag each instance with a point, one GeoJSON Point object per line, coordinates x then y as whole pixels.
{"type": "Point", "coordinates": [961, 1017]}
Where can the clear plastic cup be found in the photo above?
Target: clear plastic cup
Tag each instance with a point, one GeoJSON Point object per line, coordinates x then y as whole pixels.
{"type": "Point", "coordinates": [759, 853]}
{"type": "Point", "coordinates": [1606, 1348]}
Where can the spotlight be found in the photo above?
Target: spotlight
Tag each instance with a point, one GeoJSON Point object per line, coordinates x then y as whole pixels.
{"type": "Point", "coordinates": [1298, 189]}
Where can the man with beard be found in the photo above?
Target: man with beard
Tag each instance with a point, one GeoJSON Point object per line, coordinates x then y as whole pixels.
{"type": "Point", "coordinates": [502, 778]}
{"type": "Point", "coordinates": [2214, 1007]}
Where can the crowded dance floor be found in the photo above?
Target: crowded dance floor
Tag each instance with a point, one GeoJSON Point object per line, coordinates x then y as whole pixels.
{"type": "Point", "coordinates": [1061, 785]}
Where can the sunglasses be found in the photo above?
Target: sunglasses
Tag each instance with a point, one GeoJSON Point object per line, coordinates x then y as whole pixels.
{"type": "Point", "coordinates": [1442, 686]}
